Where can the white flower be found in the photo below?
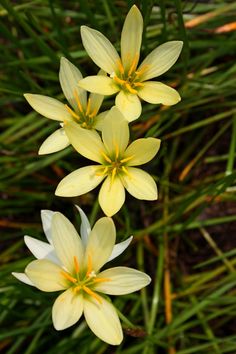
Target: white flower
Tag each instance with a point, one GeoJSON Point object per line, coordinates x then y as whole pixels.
{"type": "Point", "coordinates": [82, 111]}
{"type": "Point", "coordinates": [76, 271]}
{"type": "Point", "coordinates": [125, 78]}
{"type": "Point", "coordinates": [116, 163]}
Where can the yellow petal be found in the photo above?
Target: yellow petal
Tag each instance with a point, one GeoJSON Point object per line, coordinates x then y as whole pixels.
{"type": "Point", "coordinates": [55, 142]}
{"type": "Point", "coordinates": [156, 92]}
{"type": "Point", "coordinates": [66, 241]}
{"type": "Point", "coordinates": [103, 320]}
{"type": "Point", "coordinates": [101, 242]}
{"type": "Point", "coordinates": [115, 132]}
{"type": "Point", "coordinates": [48, 107]}
{"type": "Point", "coordinates": [80, 181]}
{"type": "Point", "coordinates": [102, 85]}
{"type": "Point", "coordinates": [99, 120]}
{"type": "Point", "coordinates": [140, 184]}
{"type": "Point", "coordinates": [87, 142]}
{"type": "Point", "coordinates": [100, 49]}
{"type": "Point", "coordinates": [160, 60]}
{"type": "Point", "coordinates": [142, 151]}
{"type": "Point", "coordinates": [129, 105]}
{"type": "Point", "coordinates": [123, 280]}
{"type": "Point", "coordinates": [111, 196]}
{"type": "Point", "coordinates": [67, 309]}
{"type": "Point", "coordinates": [131, 38]}
{"type": "Point", "coordinates": [46, 275]}
{"type": "Point", "coordinates": [69, 76]}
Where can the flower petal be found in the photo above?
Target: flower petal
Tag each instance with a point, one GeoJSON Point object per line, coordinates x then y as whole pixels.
{"type": "Point", "coordinates": [156, 92]}
{"type": "Point", "coordinates": [67, 309]}
{"type": "Point", "coordinates": [101, 242]}
{"type": "Point", "coordinates": [129, 105]}
{"type": "Point", "coordinates": [46, 276]}
{"type": "Point", "coordinates": [120, 248]}
{"type": "Point", "coordinates": [122, 281]}
{"type": "Point", "coordinates": [80, 181]}
{"type": "Point", "coordinates": [100, 49]}
{"type": "Point", "coordinates": [160, 60]}
{"type": "Point", "coordinates": [111, 196]}
{"type": "Point", "coordinates": [103, 320]}
{"type": "Point", "coordinates": [48, 107]}
{"type": "Point", "coordinates": [85, 227]}
{"type": "Point", "coordinates": [131, 38]}
{"type": "Point", "coordinates": [87, 142]}
{"type": "Point", "coordinates": [55, 142]}
{"type": "Point", "coordinates": [41, 250]}
{"type": "Point", "coordinates": [23, 278]}
{"type": "Point", "coordinates": [95, 102]}
{"type": "Point", "coordinates": [66, 241]}
{"type": "Point", "coordinates": [99, 120]}
{"type": "Point", "coordinates": [102, 85]}
{"type": "Point", "coordinates": [142, 150]}
{"type": "Point", "coordinates": [140, 184]}
{"type": "Point", "coordinates": [69, 76]}
{"type": "Point", "coordinates": [115, 132]}
{"type": "Point", "coordinates": [46, 217]}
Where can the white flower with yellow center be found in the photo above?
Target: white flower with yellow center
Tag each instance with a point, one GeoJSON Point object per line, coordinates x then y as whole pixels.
{"type": "Point", "coordinates": [76, 270]}
{"type": "Point", "coordinates": [81, 111]}
{"type": "Point", "coordinates": [126, 78]}
{"type": "Point", "coordinates": [116, 163]}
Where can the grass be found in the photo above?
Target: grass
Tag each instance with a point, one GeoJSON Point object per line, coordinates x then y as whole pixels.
{"type": "Point", "coordinates": [185, 240]}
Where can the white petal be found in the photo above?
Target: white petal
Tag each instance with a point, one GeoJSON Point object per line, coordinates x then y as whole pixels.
{"type": "Point", "coordinates": [46, 217]}
{"type": "Point", "coordinates": [140, 184]}
{"type": "Point", "coordinates": [129, 105]}
{"type": "Point", "coordinates": [131, 38]}
{"type": "Point", "coordinates": [80, 181]}
{"type": "Point", "coordinates": [87, 142]}
{"type": "Point", "coordinates": [46, 275]}
{"type": "Point", "coordinates": [101, 242]}
{"type": "Point", "coordinates": [156, 92]}
{"type": "Point", "coordinates": [23, 278]}
{"type": "Point", "coordinates": [160, 60]}
{"type": "Point", "coordinates": [67, 309]}
{"type": "Point", "coordinates": [120, 248]}
{"type": "Point", "coordinates": [123, 281]}
{"type": "Point", "coordinates": [100, 49]}
{"type": "Point", "coordinates": [85, 227]}
{"type": "Point", "coordinates": [115, 132]}
{"type": "Point", "coordinates": [103, 320]}
{"type": "Point", "coordinates": [142, 150]}
{"type": "Point", "coordinates": [111, 196]}
{"type": "Point", "coordinates": [66, 241]}
{"type": "Point", "coordinates": [99, 120]}
{"type": "Point", "coordinates": [55, 142]}
{"type": "Point", "coordinates": [69, 76]}
{"type": "Point", "coordinates": [41, 250]}
{"type": "Point", "coordinates": [101, 85]}
{"type": "Point", "coordinates": [48, 107]}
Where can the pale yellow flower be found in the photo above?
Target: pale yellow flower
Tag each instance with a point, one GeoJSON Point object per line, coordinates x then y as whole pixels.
{"type": "Point", "coordinates": [82, 111]}
{"type": "Point", "coordinates": [126, 78]}
{"type": "Point", "coordinates": [74, 268]}
{"type": "Point", "coordinates": [116, 163]}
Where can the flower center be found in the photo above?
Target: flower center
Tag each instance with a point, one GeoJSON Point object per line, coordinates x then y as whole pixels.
{"type": "Point", "coordinates": [128, 80]}
{"type": "Point", "coordinates": [83, 282]}
{"type": "Point", "coordinates": [84, 117]}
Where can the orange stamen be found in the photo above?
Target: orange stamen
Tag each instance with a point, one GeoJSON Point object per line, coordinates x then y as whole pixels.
{"type": "Point", "coordinates": [77, 288]}
{"type": "Point", "coordinates": [113, 174]}
{"type": "Point", "coordinates": [90, 265]}
{"type": "Point", "coordinates": [69, 277]}
{"type": "Point", "coordinates": [120, 67]}
{"type": "Point", "coordinates": [72, 112]}
{"type": "Point", "coordinates": [133, 65]}
{"type": "Point", "coordinates": [138, 84]}
{"type": "Point", "coordinates": [76, 263]}
{"type": "Point", "coordinates": [116, 150]}
{"type": "Point", "coordinates": [124, 169]}
{"type": "Point", "coordinates": [130, 89]}
{"type": "Point", "coordinates": [106, 157]}
{"type": "Point", "coordinates": [120, 81]}
{"type": "Point", "coordinates": [78, 101]}
{"type": "Point", "coordinates": [100, 280]}
{"type": "Point", "coordinates": [92, 293]}
{"type": "Point", "coordinates": [88, 106]}
{"type": "Point", "coordinates": [127, 159]}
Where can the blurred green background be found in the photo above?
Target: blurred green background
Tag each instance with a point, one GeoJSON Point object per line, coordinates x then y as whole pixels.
{"type": "Point", "coordinates": [186, 240]}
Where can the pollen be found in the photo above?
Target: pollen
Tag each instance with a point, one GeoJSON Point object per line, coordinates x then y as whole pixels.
{"type": "Point", "coordinates": [69, 277]}
{"type": "Point", "coordinates": [78, 101]}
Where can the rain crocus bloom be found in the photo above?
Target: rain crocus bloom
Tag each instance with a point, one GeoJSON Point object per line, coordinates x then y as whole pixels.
{"type": "Point", "coordinates": [76, 270]}
{"type": "Point", "coordinates": [82, 111]}
{"type": "Point", "coordinates": [116, 163]}
{"type": "Point", "coordinates": [126, 78]}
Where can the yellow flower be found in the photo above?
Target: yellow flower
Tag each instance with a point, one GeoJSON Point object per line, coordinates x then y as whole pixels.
{"type": "Point", "coordinates": [74, 267]}
{"type": "Point", "coordinates": [82, 111]}
{"type": "Point", "coordinates": [116, 163]}
{"type": "Point", "coordinates": [125, 78]}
